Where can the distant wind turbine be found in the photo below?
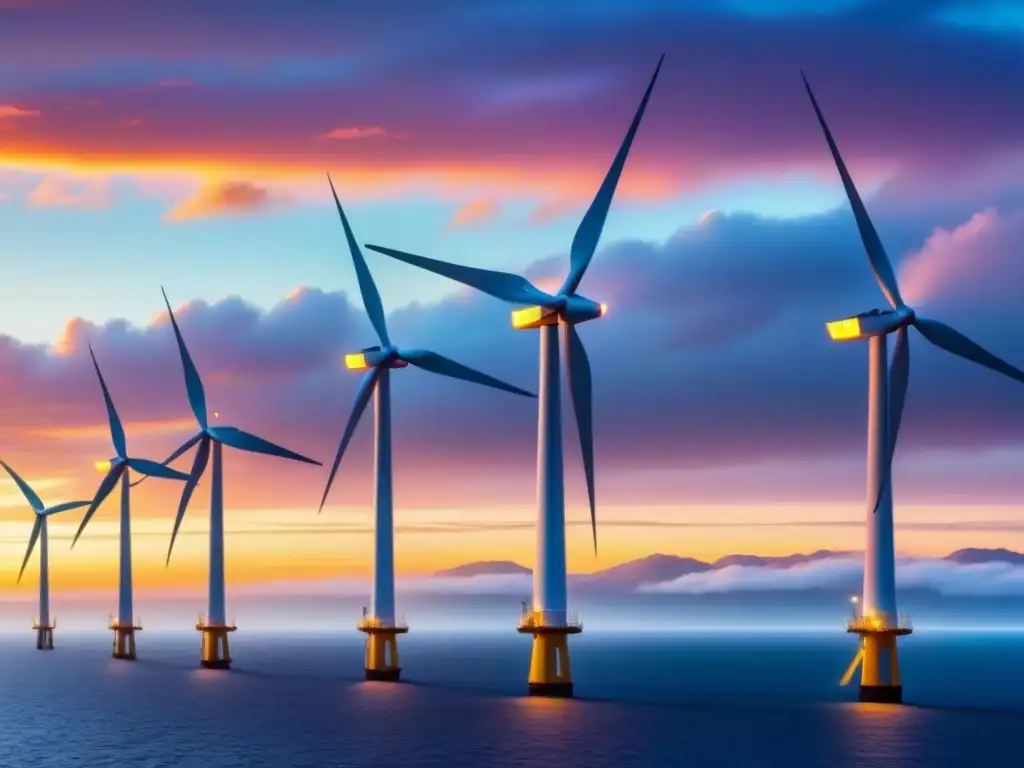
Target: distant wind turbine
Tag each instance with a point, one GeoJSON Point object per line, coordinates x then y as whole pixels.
{"type": "Point", "coordinates": [117, 468]}
{"type": "Point", "coordinates": [381, 626]}
{"type": "Point", "coordinates": [549, 622]}
{"type": "Point", "coordinates": [879, 624]}
{"type": "Point", "coordinates": [215, 628]}
{"type": "Point", "coordinates": [43, 626]}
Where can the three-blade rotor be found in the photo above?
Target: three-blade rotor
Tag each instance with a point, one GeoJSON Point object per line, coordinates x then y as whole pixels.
{"type": "Point", "coordinates": [388, 355]}
{"type": "Point", "coordinates": [41, 511]}
{"type": "Point", "coordinates": [233, 437]}
{"type": "Point", "coordinates": [517, 290]}
{"type": "Point", "coordinates": [121, 462]}
{"type": "Point", "coordinates": [937, 333]}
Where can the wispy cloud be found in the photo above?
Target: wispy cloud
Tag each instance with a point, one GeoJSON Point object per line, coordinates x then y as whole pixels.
{"type": "Point", "coordinates": [473, 212]}
{"type": "Point", "coordinates": [347, 133]}
{"type": "Point", "coordinates": [230, 197]}
{"type": "Point", "coordinates": [943, 576]}
{"type": "Point", "coordinates": [10, 110]}
{"type": "Point", "coordinates": [56, 191]}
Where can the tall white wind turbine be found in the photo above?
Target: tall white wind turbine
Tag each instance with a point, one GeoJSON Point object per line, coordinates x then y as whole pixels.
{"type": "Point", "coordinates": [117, 469]}
{"type": "Point", "coordinates": [382, 626]}
{"type": "Point", "coordinates": [43, 625]}
{"type": "Point", "coordinates": [549, 620]}
{"type": "Point", "coordinates": [879, 624]}
{"type": "Point", "coordinates": [214, 653]}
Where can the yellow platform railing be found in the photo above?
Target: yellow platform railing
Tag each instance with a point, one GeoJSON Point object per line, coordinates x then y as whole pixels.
{"type": "Point", "coordinates": [878, 623]}
{"type": "Point", "coordinates": [530, 618]}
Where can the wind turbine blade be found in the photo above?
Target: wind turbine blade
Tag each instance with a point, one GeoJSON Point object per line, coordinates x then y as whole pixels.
{"type": "Point", "coordinates": [152, 469]}
{"type": "Point", "coordinates": [67, 505]}
{"type": "Point", "coordinates": [198, 467]}
{"type": "Point", "coordinates": [193, 384]}
{"type": "Point", "coordinates": [877, 257]}
{"type": "Point", "coordinates": [116, 429]}
{"type": "Point", "coordinates": [30, 496]}
{"type": "Point", "coordinates": [941, 335]}
{"type": "Point", "coordinates": [178, 452]}
{"type": "Point", "coordinates": [435, 363]}
{"type": "Point", "coordinates": [501, 285]}
{"type": "Point", "coordinates": [899, 378]}
{"type": "Point", "coordinates": [589, 233]}
{"type": "Point", "coordinates": [577, 370]}
{"type": "Point", "coordinates": [106, 486]}
{"type": "Point", "coordinates": [368, 289]}
{"type": "Point", "coordinates": [362, 398]}
{"type": "Point", "coordinates": [246, 441]}
{"type": "Point", "coordinates": [37, 526]}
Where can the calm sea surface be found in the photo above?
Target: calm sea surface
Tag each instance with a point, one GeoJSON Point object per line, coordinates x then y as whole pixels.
{"type": "Point", "coordinates": [662, 700]}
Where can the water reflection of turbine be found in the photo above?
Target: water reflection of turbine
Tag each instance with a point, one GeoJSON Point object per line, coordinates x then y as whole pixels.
{"type": "Point", "coordinates": [549, 622]}
{"type": "Point", "coordinates": [878, 624]}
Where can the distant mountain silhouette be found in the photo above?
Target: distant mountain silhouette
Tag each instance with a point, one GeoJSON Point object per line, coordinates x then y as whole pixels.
{"type": "Point", "coordinates": [485, 568]}
{"type": "Point", "coordinates": [660, 568]}
{"type": "Point", "coordinates": [973, 556]}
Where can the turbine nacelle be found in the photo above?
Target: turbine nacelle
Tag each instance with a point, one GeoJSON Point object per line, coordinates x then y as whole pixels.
{"type": "Point", "coordinates": [877, 322]}
{"type": "Point", "coordinates": [104, 467]}
{"type": "Point", "coordinates": [566, 309]}
{"type": "Point", "coordinates": [372, 357]}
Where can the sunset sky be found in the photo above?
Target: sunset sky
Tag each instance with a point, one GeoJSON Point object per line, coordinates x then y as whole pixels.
{"type": "Point", "coordinates": [184, 144]}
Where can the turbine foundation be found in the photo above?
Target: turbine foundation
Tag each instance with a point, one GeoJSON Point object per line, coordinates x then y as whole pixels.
{"type": "Point", "coordinates": [381, 663]}
{"type": "Point", "coordinates": [124, 639]}
{"type": "Point", "coordinates": [550, 671]}
{"type": "Point", "coordinates": [880, 668]}
{"type": "Point", "coordinates": [214, 652]}
{"type": "Point", "coordinates": [44, 635]}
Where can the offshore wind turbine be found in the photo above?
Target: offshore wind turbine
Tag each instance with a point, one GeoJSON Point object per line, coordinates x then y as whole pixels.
{"type": "Point", "coordinates": [879, 624]}
{"type": "Point", "coordinates": [43, 625]}
{"type": "Point", "coordinates": [381, 626]}
{"type": "Point", "coordinates": [214, 653]}
{"type": "Point", "coordinates": [117, 469]}
{"type": "Point", "coordinates": [549, 621]}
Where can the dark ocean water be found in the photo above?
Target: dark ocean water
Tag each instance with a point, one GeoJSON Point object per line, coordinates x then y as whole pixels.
{"type": "Point", "coordinates": [660, 700]}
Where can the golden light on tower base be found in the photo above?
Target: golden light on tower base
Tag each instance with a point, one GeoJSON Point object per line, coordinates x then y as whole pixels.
{"type": "Point", "coordinates": [44, 635]}
{"type": "Point", "coordinates": [382, 663]}
{"type": "Point", "coordinates": [878, 659]}
{"type": "Point", "coordinates": [214, 652]}
{"type": "Point", "coordinates": [550, 671]}
{"type": "Point", "coordinates": [124, 639]}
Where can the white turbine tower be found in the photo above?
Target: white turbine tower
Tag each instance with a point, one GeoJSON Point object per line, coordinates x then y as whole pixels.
{"type": "Point", "coordinates": [879, 623]}
{"type": "Point", "coordinates": [549, 621]}
{"type": "Point", "coordinates": [42, 625]}
{"type": "Point", "coordinates": [125, 625]}
{"type": "Point", "coordinates": [381, 626]}
{"type": "Point", "coordinates": [214, 652]}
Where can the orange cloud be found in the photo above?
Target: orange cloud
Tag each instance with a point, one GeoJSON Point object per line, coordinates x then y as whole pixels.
{"type": "Point", "coordinates": [9, 110]}
{"type": "Point", "coordinates": [549, 211]}
{"type": "Point", "coordinates": [54, 191]}
{"type": "Point", "coordinates": [473, 212]}
{"type": "Point", "coordinates": [229, 197]}
{"type": "Point", "coordinates": [356, 132]}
